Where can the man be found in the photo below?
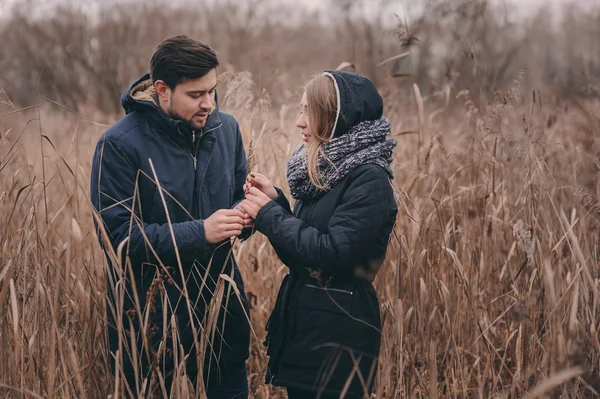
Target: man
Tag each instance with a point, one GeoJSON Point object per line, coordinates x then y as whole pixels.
{"type": "Point", "coordinates": [164, 181]}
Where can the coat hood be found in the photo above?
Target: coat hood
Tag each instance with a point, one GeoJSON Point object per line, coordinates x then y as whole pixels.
{"type": "Point", "coordinates": [141, 96]}
{"type": "Point", "coordinates": [357, 100]}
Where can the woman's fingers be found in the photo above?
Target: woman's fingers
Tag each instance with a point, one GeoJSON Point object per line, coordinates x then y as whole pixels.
{"type": "Point", "coordinates": [233, 220]}
{"type": "Point", "coordinates": [258, 180]}
{"type": "Point", "coordinates": [255, 175]}
{"type": "Point", "coordinates": [262, 183]}
{"type": "Point", "coordinates": [250, 208]}
{"type": "Point", "coordinates": [255, 191]}
{"type": "Point", "coordinates": [253, 198]}
{"type": "Point", "coordinates": [257, 197]}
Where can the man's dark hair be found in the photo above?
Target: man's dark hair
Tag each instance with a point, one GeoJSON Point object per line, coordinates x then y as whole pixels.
{"type": "Point", "coordinates": [180, 58]}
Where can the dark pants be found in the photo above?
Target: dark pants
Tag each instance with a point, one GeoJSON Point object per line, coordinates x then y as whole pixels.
{"type": "Point", "coordinates": [232, 386]}
{"type": "Point", "coordinates": [231, 382]}
{"type": "Point", "coordinates": [300, 394]}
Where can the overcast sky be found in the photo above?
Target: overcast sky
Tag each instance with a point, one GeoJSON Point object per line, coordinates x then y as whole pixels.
{"type": "Point", "coordinates": [517, 8]}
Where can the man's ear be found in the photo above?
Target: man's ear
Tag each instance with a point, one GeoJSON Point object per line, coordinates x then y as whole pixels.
{"type": "Point", "coordinates": [162, 90]}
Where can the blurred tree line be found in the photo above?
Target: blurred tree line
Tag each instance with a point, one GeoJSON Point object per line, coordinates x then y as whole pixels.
{"type": "Point", "coordinates": [80, 59]}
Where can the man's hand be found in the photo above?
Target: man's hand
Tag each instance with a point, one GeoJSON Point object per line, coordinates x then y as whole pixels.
{"type": "Point", "coordinates": [223, 224]}
{"type": "Point", "coordinates": [262, 183]}
{"type": "Point", "coordinates": [255, 199]}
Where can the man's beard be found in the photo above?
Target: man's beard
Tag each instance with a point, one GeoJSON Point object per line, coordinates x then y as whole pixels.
{"type": "Point", "coordinates": [193, 125]}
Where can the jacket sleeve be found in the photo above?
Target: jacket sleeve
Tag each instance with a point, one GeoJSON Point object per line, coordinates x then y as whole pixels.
{"type": "Point", "coordinates": [113, 184]}
{"type": "Point", "coordinates": [282, 200]}
{"type": "Point", "coordinates": [353, 228]}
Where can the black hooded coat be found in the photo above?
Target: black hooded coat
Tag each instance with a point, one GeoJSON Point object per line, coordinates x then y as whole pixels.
{"type": "Point", "coordinates": [322, 326]}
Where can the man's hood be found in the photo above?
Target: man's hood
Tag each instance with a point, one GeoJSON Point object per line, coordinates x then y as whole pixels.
{"type": "Point", "coordinates": [141, 96]}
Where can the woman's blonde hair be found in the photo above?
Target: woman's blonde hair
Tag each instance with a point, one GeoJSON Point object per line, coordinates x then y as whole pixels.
{"type": "Point", "coordinates": [322, 104]}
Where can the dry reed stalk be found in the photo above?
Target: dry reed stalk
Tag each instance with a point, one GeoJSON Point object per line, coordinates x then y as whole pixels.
{"type": "Point", "coordinates": [420, 114]}
{"type": "Point", "coordinates": [251, 164]}
{"type": "Point", "coordinates": [393, 58]}
{"type": "Point", "coordinates": [553, 381]}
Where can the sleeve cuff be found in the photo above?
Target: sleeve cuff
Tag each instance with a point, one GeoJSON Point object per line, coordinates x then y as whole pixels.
{"type": "Point", "coordinates": [282, 200]}
{"type": "Point", "coordinates": [197, 238]}
{"type": "Point", "coordinates": [260, 221]}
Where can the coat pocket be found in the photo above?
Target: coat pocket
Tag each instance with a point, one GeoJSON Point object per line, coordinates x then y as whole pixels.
{"type": "Point", "coordinates": [321, 328]}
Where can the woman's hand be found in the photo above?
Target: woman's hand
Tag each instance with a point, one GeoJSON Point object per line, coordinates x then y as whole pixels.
{"type": "Point", "coordinates": [248, 222]}
{"type": "Point", "coordinates": [255, 199]}
{"type": "Point", "coordinates": [262, 183]}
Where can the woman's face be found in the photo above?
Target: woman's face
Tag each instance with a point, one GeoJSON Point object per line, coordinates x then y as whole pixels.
{"type": "Point", "coordinates": [303, 121]}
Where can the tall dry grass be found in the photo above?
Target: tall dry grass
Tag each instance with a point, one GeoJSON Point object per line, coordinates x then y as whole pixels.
{"type": "Point", "coordinates": [490, 287]}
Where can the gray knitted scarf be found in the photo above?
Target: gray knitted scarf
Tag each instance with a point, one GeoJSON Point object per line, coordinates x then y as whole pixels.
{"type": "Point", "coordinates": [364, 143]}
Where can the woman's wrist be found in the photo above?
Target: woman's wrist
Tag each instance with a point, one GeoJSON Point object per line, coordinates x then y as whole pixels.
{"type": "Point", "coordinates": [273, 194]}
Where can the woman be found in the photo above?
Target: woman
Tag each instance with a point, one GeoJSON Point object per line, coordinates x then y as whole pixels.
{"type": "Point", "coordinates": [324, 333]}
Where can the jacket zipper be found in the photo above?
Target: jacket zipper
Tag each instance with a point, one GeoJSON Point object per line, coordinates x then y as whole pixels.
{"type": "Point", "coordinates": [202, 133]}
{"type": "Point", "coordinates": [195, 160]}
{"type": "Point", "coordinates": [329, 289]}
{"type": "Point", "coordinates": [195, 148]}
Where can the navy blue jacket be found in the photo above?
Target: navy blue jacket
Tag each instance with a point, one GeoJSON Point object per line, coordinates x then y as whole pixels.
{"type": "Point", "coordinates": [199, 172]}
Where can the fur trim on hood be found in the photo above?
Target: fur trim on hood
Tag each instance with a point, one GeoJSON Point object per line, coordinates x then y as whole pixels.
{"type": "Point", "coordinates": [144, 91]}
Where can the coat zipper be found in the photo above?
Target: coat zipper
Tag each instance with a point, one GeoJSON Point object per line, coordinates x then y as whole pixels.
{"type": "Point", "coordinates": [195, 158]}
{"type": "Point", "coordinates": [329, 289]}
{"type": "Point", "coordinates": [202, 133]}
{"type": "Point", "coordinates": [195, 149]}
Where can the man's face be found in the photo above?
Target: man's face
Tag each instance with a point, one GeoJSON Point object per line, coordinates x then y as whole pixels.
{"type": "Point", "coordinates": [191, 100]}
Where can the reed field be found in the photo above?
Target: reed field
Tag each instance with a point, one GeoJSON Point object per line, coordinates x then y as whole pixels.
{"type": "Point", "coordinates": [491, 285]}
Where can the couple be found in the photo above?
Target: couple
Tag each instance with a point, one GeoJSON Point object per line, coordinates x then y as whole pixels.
{"type": "Point", "coordinates": [170, 187]}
